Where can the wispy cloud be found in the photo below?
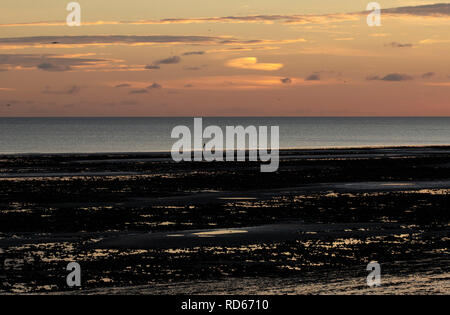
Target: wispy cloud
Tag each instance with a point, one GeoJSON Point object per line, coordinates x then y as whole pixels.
{"type": "Point", "coordinates": [226, 83]}
{"type": "Point", "coordinates": [439, 10]}
{"type": "Point", "coordinates": [168, 61]}
{"type": "Point", "coordinates": [49, 62]}
{"type": "Point", "coordinates": [344, 38]}
{"type": "Point", "coordinates": [103, 40]}
{"type": "Point", "coordinates": [192, 68]}
{"type": "Point", "coordinates": [429, 10]}
{"type": "Point", "coordinates": [243, 82]}
{"type": "Point", "coordinates": [123, 85]}
{"type": "Point", "coordinates": [71, 90]}
{"type": "Point", "coordinates": [192, 53]}
{"type": "Point", "coordinates": [399, 45]}
{"type": "Point", "coordinates": [392, 77]}
{"type": "Point", "coordinates": [132, 40]}
{"type": "Point", "coordinates": [152, 67]}
{"type": "Point", "coordinates": [434, 41]}
{"type": "Point", "coordinates": [47, 66]}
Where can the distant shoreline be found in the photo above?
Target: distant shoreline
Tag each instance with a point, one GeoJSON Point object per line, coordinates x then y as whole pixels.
{"type": "Point", "coordinates": [159, 117]}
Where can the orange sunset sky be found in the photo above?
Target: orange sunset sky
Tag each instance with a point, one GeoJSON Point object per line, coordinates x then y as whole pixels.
{"type": "Point", "coordinates": [224, 58]}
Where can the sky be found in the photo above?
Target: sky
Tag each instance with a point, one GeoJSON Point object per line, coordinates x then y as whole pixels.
{"type": "Point", "coordinates": [224, 58]}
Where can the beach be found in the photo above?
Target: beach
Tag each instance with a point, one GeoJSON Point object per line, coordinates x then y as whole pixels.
{"type": "Point", "coordinates": [139, 223]}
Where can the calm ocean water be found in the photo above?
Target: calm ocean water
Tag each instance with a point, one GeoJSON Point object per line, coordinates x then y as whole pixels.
{"type": "Point", "coordinates": [87, 135]}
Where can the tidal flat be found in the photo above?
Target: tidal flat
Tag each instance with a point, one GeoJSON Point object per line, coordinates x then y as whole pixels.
{"type": "Point", "coordinates": [139, 223]}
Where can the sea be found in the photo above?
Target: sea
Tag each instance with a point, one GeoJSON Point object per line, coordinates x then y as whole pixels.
{"type": "Point", "coordinates": [153, 134]}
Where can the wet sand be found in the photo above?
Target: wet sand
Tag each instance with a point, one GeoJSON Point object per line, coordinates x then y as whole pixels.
{"type": "Point", "coordinates": [247, 235]}
{"type": "Point", "coordinates": [132, 220]}
{"type": "Point", "coordinates": [344, 282]}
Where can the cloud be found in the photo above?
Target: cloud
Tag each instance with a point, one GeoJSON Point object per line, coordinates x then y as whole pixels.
{"type": "Point", "coordinates": [399, 45]}
{"type": "Point", "coordinates": [231, 41]}
{"type": "Point", "coordinates": [430, 10]}
{"type": "Point", "coordinates": [428, 75]}
{"type": "Point", "coordinates": [155, 86]}
{"type": "Point", "coordinates": [265, 19]}
{"type": "Point", "coordinates": [47, 66]}
{"type": "Point", "coordinates": [123, 85]}
{"type": "Point", "coordinates": [344, 38]}
{"type": "Point", "coordinates": [131, 40]}
{"type": "Point", "coordinates": [102, 40]}
{"type": "Point", "coordinates": [439, 10]}
{"type": "Point", "coordinates": [286, 80]}
{"type": "Point", "coordinates": [241, 82]}
{"type": "Point", "coordinates": [313, 77]}
{"type": "Point", "coordinates": [168, 61]}
{"type": "Point", "coordinates": [392, 77]}
{"type": "Point", "coordinates": [192, 68]}
{"type": "Point", "coordinates": [433, 10]}
{"type": "Point", "coordinates": [191, 53]}
{"type": "Point", "coordinates": [71, 90]}
{"type": "Point", "coordinates": [243, 48]}
{"type": "Point", "coordinates": [251, 63]}
{"type": "Point", "coordinates": [140, 91]}
{"type": "Point", "coordinates": [152, 67]}
{"type": "Point", "coordinates": [434, 41]}
{"type": "Point", "coordinates": [50, 62]}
